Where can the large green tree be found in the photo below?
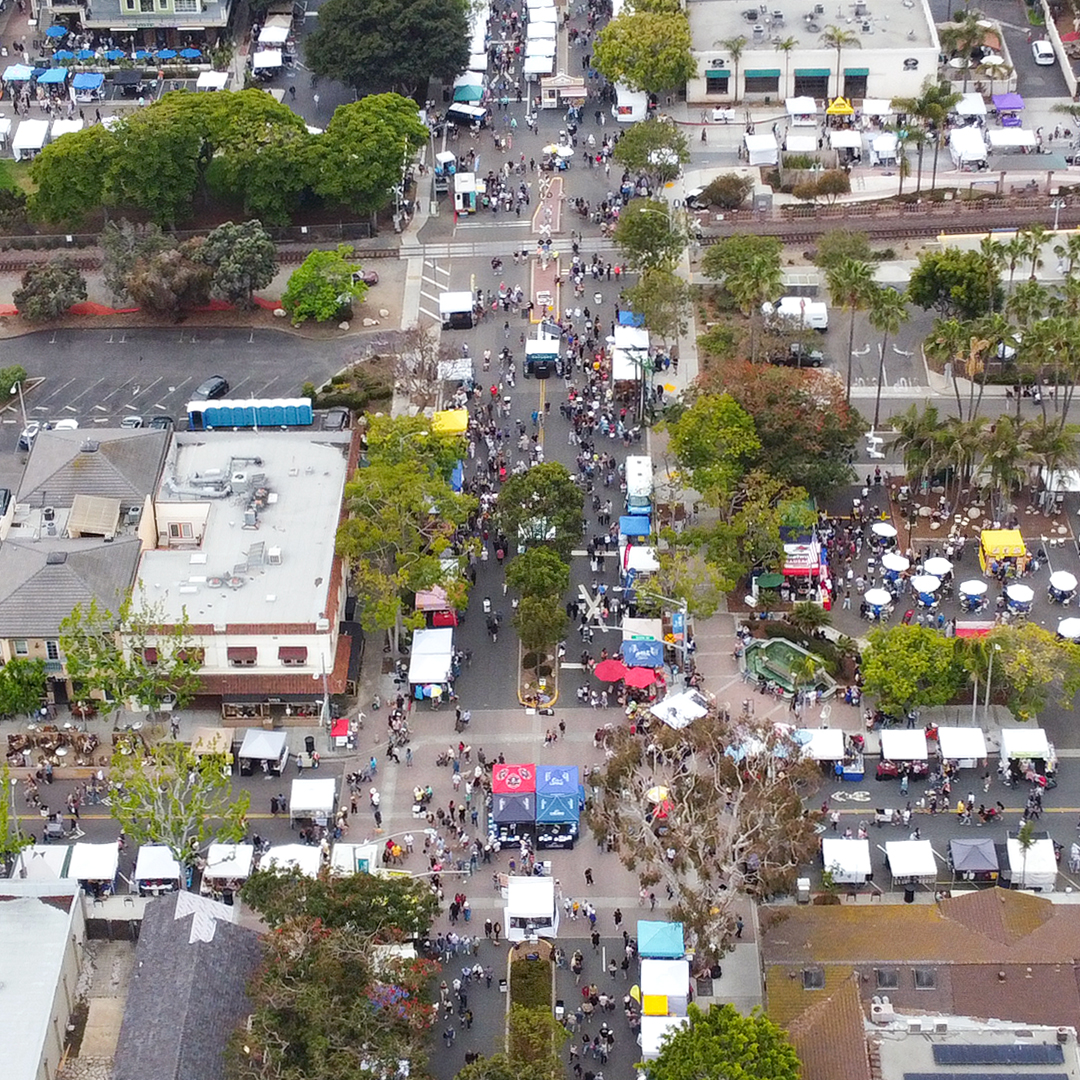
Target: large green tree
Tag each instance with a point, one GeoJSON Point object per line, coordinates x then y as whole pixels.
{"type": "Point", "coordinates": [541, 506]}
{"type": "Point", "coordinates": [653, 148]}
{"type": "Point", "coordinates": [324, 286]}
{"type": "Point", "coordinates": [662, 298]}
{"type": "Point", "coordinates": [956, 284]}
{"type": "Point", "coordinates": [70, 176]}
{"type": "Point", "coordinates": [171, 796]}
{"type": "Point", "coordinates": [379, 45]}
{"type": "Point", "coordinates": [171, 280]}
{"type": "Point", "coordinates": [48, 290]}
{"type": "Point", "coordinates": [714, 442]}
{"type": "Point", "coordinates": [646, 51]}
{"type": "Point", "coordinates": [12, 838]}
{"type": "Point", "coordinates": [723, 1044]}
{"type": "Point", "coordinates": [123, 244]}
{"type": "Point", "coordinates": [540, 621]}
{"type": "Point", "coordinates": [649, 235]}
{"type": "Point", "coordinates": [538, 571]}
{"type": "Point", "coordinates": [365, 150]}
{"type": "Point", "coordinates": [243, 258]}
{"type": "Point", "coordinates": [22, 686]}
{"type": "Point", "coordinates": [910, 667]}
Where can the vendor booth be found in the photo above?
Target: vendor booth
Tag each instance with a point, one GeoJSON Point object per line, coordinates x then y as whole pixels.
{"type": "Point", "coordinates": [967, 147]}
{"type": "Point", "coordinates": [903, 750]}
{"type": "Point", "coordinates": [263, 751]}
{"type": "Point", "coordinates": [315, 800]}
{"type": "Point", "coordinates": [1012, 139]}
{"type": "Point", "coordinates": [210, 81]}
{"type": "Point", "coordinates": [679, 710]}
{"type": "Point", "coordinates": [156, 871]}
{"type": "Point", "coordinates": [639, 559]}
{"type": "Point", "coordinates": [431, 660]}
{"type": "Point", "coordinates": [847, 860]}
{"type": "Point", "coordinates": [228, 866]}
{"type": "Point", "coordinates": [450, 422]}
{"type": "Point", "coordinates": [883, 149]}
{"type": "Point", "coordinates": [513, 779]}
{"type": "Point", "coordinates": [1036, 868]}
{"type": "Point", "coordinates": [877, 107]}
{"type": "Point", "coordinates": [665, 987]}
{"type": "Point", "coordinates": [1024, 742]}
{"type": "Point", "coordinates": [911, 862]}
{"type": "Point", "coordinates": [970, 104]}
{"type": "Point", "coordinates": [1008, 107]}
{"type": "Point", "coordinates": [800, 144]}
{"type": "Point", "coordinates": [512, 816]}
{"type": "Point", "coordinates": [94, 867]}
{"type": "Point", "coordinates": [654, 1029]}
{"type": "Point", "coordinates": [355, 858]}
{"type": "Point", "coordinates": [30, 136]}
{"type": "Point", "coordinates": [761, 149]}
{"type": "Point", "coordinates": [88, 86]}
{"type": "Point", "coordinates": [640, 653]}
{"type": "Point", "coordinates": [557, 820]}
{"type": "Point", "coordinates": [286, 857]}
{"type": "Point", "coordinates": [966, 746]}
{"type": "Point", "coordinates": [660, 940]}
{"type": "Point", "coordinates": [633, 527]}
{"type": "Point", "coordinates": [849, 144]}
{"type": "Point", "coordinates": [802, 111]}
{"type": "Point", "coordinates": [530, 909]}
{"type": "Point", "coordinates": [973, 860]}
{"type": "Point", "coordinates": [42, 862]}
{"type": "Point", "coordinates": [1002, 547]}
{"type": "Point", "coordinates": [435, 605]}
{"type": "Point", "coordinates": [821, 744]}
{"type": "Point", "coordinates": [66, 126]}
{"type": "Point", "coordinates": [265, 62]}
{"type": "Point", "coordinates": [212, 740]}
{"type": "Point", "coordinates": [629, 353]}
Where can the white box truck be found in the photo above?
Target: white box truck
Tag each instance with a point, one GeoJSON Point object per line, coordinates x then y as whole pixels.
{"type": "Point", "coordinates": [800, 310]}
{"type": "Point", "coordinates": [639, 484]}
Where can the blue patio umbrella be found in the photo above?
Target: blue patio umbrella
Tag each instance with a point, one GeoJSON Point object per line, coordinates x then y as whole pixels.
{"type": "Point", "coordinates": [63, 54]}
{"type": "Point", "coordinates": [114, 54]}
{"type": "Point", "coordinates": [141, 54]}
{"type": "Point", "coordinates": [190, 54]}
{"type": "Point", "coordinates": [85, 54]}
{"type": "Point", "coordinates": [166, 54]}
{"type": "Point", "coordinates": [56, 31]}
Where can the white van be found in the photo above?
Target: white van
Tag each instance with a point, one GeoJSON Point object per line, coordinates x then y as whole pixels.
{"type": "Point", "coordinates": [813, 314]}
{"type": "Point", "coordinates": [639, 484]}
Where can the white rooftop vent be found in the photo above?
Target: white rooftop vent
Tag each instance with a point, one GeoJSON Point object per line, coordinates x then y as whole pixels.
{"type": "Point", "coordinates": [273, 556]}
{"type": "Point", "coordinates": [881, 1011]}
{"type": "Point", "coordinates": [198, 558]}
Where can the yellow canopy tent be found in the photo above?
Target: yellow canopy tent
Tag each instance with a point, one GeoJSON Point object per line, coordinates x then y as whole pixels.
{"type": "Point", "coordinates": [450, 422]}
{"type": "Point", "coordinates": [840, 107]}
{"type": "Point", "coordinates": [998, 544]}
{"type": "Point", "coordinates": [655, 1005]}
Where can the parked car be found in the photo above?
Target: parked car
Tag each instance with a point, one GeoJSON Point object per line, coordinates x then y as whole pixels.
{"type": "Point", "coordinates": [217, 386]}
{"type": "Point", "coordinates": [29, 434]}
{"type": "Point", "coordinates": [368, 277]}
{"type": "Point", "coordinates": [1043, 52]}
{"type": "Point", "coordinates": [132, 422]}
{"type": "Point", "coordinates": [799, 355]}
{"type": "Point", "coordinates": [66, 424]}
{"type": "Point", "coordinates": [161, 423]}
{"type": "Point", "coordinates": [336, 419]}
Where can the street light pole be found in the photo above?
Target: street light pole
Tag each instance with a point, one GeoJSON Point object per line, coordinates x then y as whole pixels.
{"type": "Point", "coordinates": [684, 608]}
{"type": "Point", "coordinates": [17, 388]}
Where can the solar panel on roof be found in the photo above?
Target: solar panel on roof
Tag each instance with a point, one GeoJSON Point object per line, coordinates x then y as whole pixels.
{"type": "Point", "coordinates": [998, 1054]}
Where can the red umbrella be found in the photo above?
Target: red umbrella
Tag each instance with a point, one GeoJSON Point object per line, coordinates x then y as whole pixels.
{"type": "Point", "coordinates": [610, 670]}
{"type": "Point", "coordinates": [640, 677]}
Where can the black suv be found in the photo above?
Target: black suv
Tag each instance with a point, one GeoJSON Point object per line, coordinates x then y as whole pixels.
{"type": "Point", "coordinates": [799, 355]}
{"type": "Point", "coordinates": [217, 386]}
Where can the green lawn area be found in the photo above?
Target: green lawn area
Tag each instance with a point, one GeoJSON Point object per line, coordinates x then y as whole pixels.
{"type": "Point", "coordinates": [15, 175]}
{"type": "Point", "coordinates": [530, 984]}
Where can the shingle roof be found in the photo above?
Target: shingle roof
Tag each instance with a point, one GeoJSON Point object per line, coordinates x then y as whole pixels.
{"type": "Point", "coordinates": [830, 1037]}
{"type": "Point", "coordinates": [126, 466]}
{"type": "Point", "coordinates": [186, 998]}
{"type": "Point", "coordinates": [36, 594]}
{"type": "Point", "coordinates": [1037, 994]}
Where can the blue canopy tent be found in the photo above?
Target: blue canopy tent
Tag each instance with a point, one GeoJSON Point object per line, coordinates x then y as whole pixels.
{"type": "Point", "coordinates": [18, 73]}
{"type": "Point", "coordinates": [63, 54]}
{"type": "Point", "coordinates": [634, 525]}
{"type": "Point", "coordinates": [660, 940]}
{"type": "Point", "coordinates": [517, 809]}
{"type": "Point", "coordinates": [631, 318]}
{"type": "Point", "coordinates": [638, 653]}
{"type": "Point", "coordinates": [557, 780]}
{"type": "Point", "coordinates": [54, 76]}
{"type": "Point", "coordinates": [56, 31]}
{"type": "Point", "coordinates": [468, 94]}
{"type": "Point", "coordinates": [556, 808]}
{"type": "Point", "coordinates": [88, 80]}
{"type": "Point", "coordinates": [457, 477]}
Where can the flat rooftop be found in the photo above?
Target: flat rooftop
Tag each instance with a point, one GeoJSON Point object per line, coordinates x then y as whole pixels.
{"type": "Point", "coordinates": [878, 24]}
{"type": "Point", "coordinates": [272, 501]}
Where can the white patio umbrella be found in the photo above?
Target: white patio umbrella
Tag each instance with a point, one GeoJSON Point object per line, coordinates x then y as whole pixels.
{"type": "Point", "coordinates": [925, 583]}
{"type": "Point", "coordinates": [877, 597]}
{"type": "Point", "coordinates": [1063, 581]}
{"type": "Point", "coordinates": [1069, 628]}
{"type": "Point", "coordinates": [565, 151]}
{"type": "Point", "coordinates": [974, 587]}
{"type": "Point", "coordinates": [883, 528]}
{"type": "Point", "coordinates": [1020, 593]}
{"type": "Point", "coordinates": [937, 566]}
{"type": "Point", "coordinates": [895, 562]}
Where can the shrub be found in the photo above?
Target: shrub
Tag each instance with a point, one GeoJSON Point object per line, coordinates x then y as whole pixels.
{"type": "Point", "coordinates": [728, 191]}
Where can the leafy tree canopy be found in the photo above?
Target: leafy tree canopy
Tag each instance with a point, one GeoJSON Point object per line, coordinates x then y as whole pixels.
{"type": "Point", "coordinates": [714, 441]}
{"type": "Point", "coordinates": [955, 283]}
{"type": "Point", "coordinates": [124, 243]}
{"type": "Point", "coordinates": [646, 51]}
{"type": "Point", "coordinates": [70, 176]}
{"type": "Point", "coordinates": [173, 279]}
{"type": "Point", "coordinates": [22, 686]}
{"type": "Point", "coordinates": [653, 148]}
{"type": "Point", "coordinates": [542, 505]}
{"type": "Point", "coordinates": [322, 286]}
{"type": "Point", "coordinates": [48, 291]}
{"type": "Point", "coordinates": [662, 298]}
{"type": "Point", "coordinates": [379, 45]}
{"type": "Point", "coordinates": [540, 621]}
{"type": "Point", "coordinates": [243, 258]}
{"type": "Point", "coordinates": [538, 572]}
{"type": "Point", "coordinates": [910, 667]}
{"type": "Point", "coordinates": [724, 1043]}
{"type": "Point", "coordinates": [836, 245]}
{"type": "Point", "coordinates": [649, 236]}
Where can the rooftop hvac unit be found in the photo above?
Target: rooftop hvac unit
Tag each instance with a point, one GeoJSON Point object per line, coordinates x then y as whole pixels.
{"type": "Point", "coordinates": [274, 556]}
{"type": "Point", "coordinates": [881, 1011]}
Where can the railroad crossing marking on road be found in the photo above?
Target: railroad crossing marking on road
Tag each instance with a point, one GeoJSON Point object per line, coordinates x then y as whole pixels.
{"type": "Point", "coordinates": [592, 603]}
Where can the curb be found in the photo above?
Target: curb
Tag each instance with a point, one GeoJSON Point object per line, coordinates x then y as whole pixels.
{"type": "Point", "coordinates": [554, 679]}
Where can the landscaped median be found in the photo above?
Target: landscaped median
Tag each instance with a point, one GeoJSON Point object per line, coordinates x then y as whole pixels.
{"type": "Point", "coordinates": [532, 1033]}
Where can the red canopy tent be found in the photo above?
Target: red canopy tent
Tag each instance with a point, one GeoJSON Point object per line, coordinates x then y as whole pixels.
{"type": "Point", "coordinates": [513, 779]}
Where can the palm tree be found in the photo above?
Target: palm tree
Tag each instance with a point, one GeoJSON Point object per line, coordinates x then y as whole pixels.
{"type": "Point", "coordinates": [996, 73]}
{"type": "Point", "coordinates": [1015, 252]}
{"type": "Point", "coordinates": [807, 617]}
{"type": "Point", "coordinates": [939, 101]}
{"type": "Point", "coordinates": [1051, 448]}
{"type": "Point", "coordinates": [946, 343]}
{"type": "Point", "coordinates": [850, 285]}
{"type": "Point", "coordinates": [786, 46]}
{"type": "Point", "coordinates": [916, 439]}
{"type": "Point", "coordinates": [888, 312]}
{"type": "Point", "coordinates": [1025, 838]}
{"type": "Point", "coordinates": [912, 133]}
{"type": "Point", "coordinates": [994, 252]}
{"type": "Point", "coordinates": [734, 46]}
{"type": "Point", "coordinates": [836, 37]}
{"type": "Point", "coordinates": [1069, 253]}
{"type": "Point", "coordinates": [760, 279]}
{"type": "Point", "coordinates": [1005, 454]}
{"type": "Point", "coordinates": [961, 37]}
{"type": "Point", "coordinates": [1035, 236]}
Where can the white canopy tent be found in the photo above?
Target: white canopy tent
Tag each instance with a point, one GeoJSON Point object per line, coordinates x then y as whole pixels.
{"type": "Point", "coordinates": [761, 149]}
{"type": "Point", "coordinates": [845, 140]}
{"type": "Point", "coordinates": [432, 655]}
{"type": "Point", "coordinates": [1011, 138]}
{"type": "Point", "coordinates": [543, 15]}
{"type": "Point", "coordinates": [801, 106]}
{"type": "Point", "coordinates": [534, 49]}
{"type": "Point", "coordinates": [1034, 869]}
{"type": "Point", "coordinates": [911, 859]}
{"type": "Point", "coordinates": [354, 858]}
{"type": "Point", "coordinates": [800, 144]}
{"type": "Point", "coordinates": [539, 65]}
{"type": "Point", "coordinates": [877, 107]}
{"type": "Point", "coordinates": [540, 32]}
{"type": "Point", "coordinates": [653, 1030]}
{"type": "Point", "coordinates": [964, 744]}
{"type": "Point", "coordinates": [274, 34]}
{"type": "Point", "coordinates": [530, 908]}
{"type": "Point", "coordinates": [229, 861]}
{"type": "Point", "coordinates": [883, 148]}
{"type": "Point", "coordinates": [94, 862]}
{"type": "Point", "coordinates": [315, 799]}
{"type": "Point", "coordinates": [155, 863]}
{"type": "Point", "coordinates": [678, 710]}
{"type": "Point", "coordinates": [821, 744]}
{"type": "Point", "coordinates": [285, 856]}
{"type": "Point", "coordinates": [1024, 742]}
{"type": "Point", "coordinates": [42, 862]}
{"type": "Point", "coordinates": [669, 979]}
{"type": "Point", "coordinates": [5, 129]}
{"type": "Point", "coordinates": [847, 860]}
{"type": "Point", "coordinates": [642, 559]}
{"type": "Point", "coordinates": [903, 745]}
{"type": "Point", "coordinates": [630, 350]}
{"type": "Point", "coordinates": [971, 104]}
{"type": "Point", "coordinates": [967, 146]}
{"type": "Point", "coordinates": [266, 60]}
{"type": "Point", "coordinates": [260, 745]}
{"type": "Point", "coordinates": [67, 126]}
{"type": "Point", "coordinates": [212, 80]}
{"type": "Point", "coordinates": [30, 136]}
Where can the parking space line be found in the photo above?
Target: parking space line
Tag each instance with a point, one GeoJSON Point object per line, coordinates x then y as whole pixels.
{"type": "Point", "coordinates": [138, 391]}
{"type": "Point", "coordinates": [60, 389]}
{"type": "Point", "coordinates": [88, 390]}
{"type": "Point", "coordinates": [429, 314]}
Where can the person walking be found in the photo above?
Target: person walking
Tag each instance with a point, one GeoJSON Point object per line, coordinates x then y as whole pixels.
{"type": "Point", "coordinates": [739, 924]}
{"type": "Point", "coordinates": [588, 876]}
